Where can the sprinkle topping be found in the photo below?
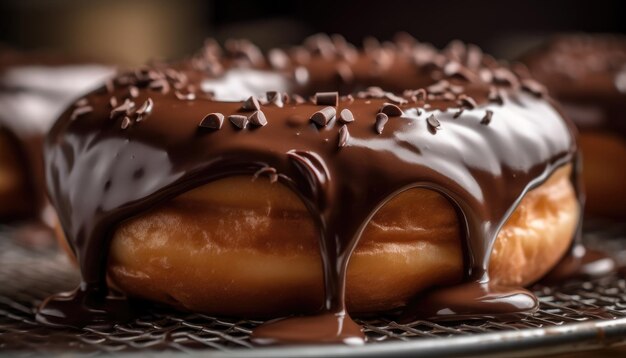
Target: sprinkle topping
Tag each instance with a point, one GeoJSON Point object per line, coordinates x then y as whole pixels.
{"type": "Point", "coordinates": [346, 116]}
{"type": "Point", "coordinates": [125, 108]}
{"type": "Point", "coordinates": [238, 121]}
{"type": "Point", "coordinates": [275, 98]}
{"type": "Point", "coordinates": [251, 104]}
{"type": "Point", "coordinates": [212, 121]}
{"type": "Point", "coordinates": [391, 110]}
{"type": "Point", "coordinates": [144, 110]}
{"type": "Point", "coordinates": [258, 119]}
{"type": "Point", "coordinates": [467, 102]}
{"type": "Point", "coordinates": [533, 87]}
{"type": "Point", "coordinates": [327, 99]}
{"type": "Point", "coordinates": [487, 118]}
{"type": "Point", "coordinates": [381, 120]}
{"type": "Point", "coordinates": [433, 122]}
{"type": "Point", "coordinates": [322, 117]}
{"type": "Point", "coordinates": [126, 122]}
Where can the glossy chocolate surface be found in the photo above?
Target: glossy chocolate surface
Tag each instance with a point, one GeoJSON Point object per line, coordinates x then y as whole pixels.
{"type": "Point", "coordinates": [467, 127]}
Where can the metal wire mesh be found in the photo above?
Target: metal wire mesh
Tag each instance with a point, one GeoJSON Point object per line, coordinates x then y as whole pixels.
{"type": "Point", "coordinates": [27, 276]}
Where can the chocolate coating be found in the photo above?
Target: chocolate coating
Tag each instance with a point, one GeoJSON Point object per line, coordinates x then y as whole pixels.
{"type": "Point", "coordinates": [100, 174]}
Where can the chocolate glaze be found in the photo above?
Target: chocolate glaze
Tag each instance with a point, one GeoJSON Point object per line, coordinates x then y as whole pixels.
{"type": "Point", "coordinates": [587, 74]}
{"type": "Point", "coordinates": [103, 168]}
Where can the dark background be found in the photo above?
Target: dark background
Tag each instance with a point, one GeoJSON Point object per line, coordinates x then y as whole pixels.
{"type": "Point", "coordinates": [132, 31]}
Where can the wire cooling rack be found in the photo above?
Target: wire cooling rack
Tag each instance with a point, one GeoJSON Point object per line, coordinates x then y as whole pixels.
{"type": "Point", "coordinates": [573, 316]}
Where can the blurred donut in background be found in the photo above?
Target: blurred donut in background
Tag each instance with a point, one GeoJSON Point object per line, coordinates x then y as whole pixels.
{"type": "Point", "coordinates": [34, 89]}
{"type": "Point", "coordinates": [587, 74]}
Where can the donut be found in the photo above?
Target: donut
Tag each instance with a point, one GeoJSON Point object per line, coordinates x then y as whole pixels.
{"type": "Point", "coordinates": [442, 195]}
{"type": "Point", "coordinates": [587, 74]}
{"type": "Point", "coordinates": [14, 195]}
{"type": "Point", "coordinates": [34, 90]}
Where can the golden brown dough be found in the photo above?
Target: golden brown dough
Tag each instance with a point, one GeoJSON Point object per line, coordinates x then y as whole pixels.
{"type": "Point", "coordinates": [244, 248]}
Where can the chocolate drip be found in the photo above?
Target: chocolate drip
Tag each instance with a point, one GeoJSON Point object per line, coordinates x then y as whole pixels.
{"type": "Point", "coordinates": [100, 175]}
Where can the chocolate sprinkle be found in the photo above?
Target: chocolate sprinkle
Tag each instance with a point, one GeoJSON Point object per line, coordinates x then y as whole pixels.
{"type": "Point", "coordinates": [160, 85]}
{"type": "Point", "coordinates": [439, 87]}
{"type": "Point", "coordinates": [238, 121]}
{"type": "Point", "coordinates": [396, 99]}
{"type": "Point", "coordinates": [381, 120]}
{"type": "Point", "coordinates": [327, 99]}
{"type": "Point", "coordinates": [485, 75]}
{"type": "Point", "coordinates": [185, 96]}
{"type": "Point", "coordinates": [433, 122]}
{"type": "Point", "coordinates": [391, 110]}
{"type": "Point", "coordinates": [421, 94]}
{"type": "Point", "coordinates": [212, 121]}
{"type": "Point", "coordinates": [133, 92]}
{"type": "Point", "coordinates": [81, 111]}
{"type": "Point", "coordinates": [495, 96]}
{"type": "Point", "coordinates": [275, 98]}
{"type": "Point", "coordinates": [251, 104]}
{"type": "Point", "coordinates": [297, 98]}
{"type": "Point", "coordinates": [124, 108]}
{"type": "Point", "coordinates": [487, 118]}
{"type": "Point", "coordinates": [467, 102]}
{"type": "Point", "coordinates": [456, 70]}
{"type": "Point", "coordinates": [346, 116]}
{"type": "Point", "coordinates": [533, 87]}
{"type": "Point", "coordinates": [126, 122]}
{"type": "Point", "coordinates": [277, 58]}
{"type": "Point", "coordinates": [448, 96]}
{"type": "Point", "coordinates": [344, 135]}
{"type": "Point", "coordinates": [258, 119]}
{"type": "Point", "coordinates": [458, 114]}
{"type": "Point", "coordinates": [504, 76]}
{"type": "Point", "coordinates": [322, 117]}
{"type": "Point", "coordinates": [144, 110]}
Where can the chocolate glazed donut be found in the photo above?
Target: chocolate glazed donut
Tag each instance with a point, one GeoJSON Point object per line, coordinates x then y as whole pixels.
{"type": "Point", "coordinates": [34, 90]}
{"type": "Point", "coordinates": [587, 74]}
{"type": "Point", "coordinates": [470, 129]}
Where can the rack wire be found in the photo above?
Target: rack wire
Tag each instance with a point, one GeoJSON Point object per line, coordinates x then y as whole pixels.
{"type": "Point", "coordinates": [597, 308]}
